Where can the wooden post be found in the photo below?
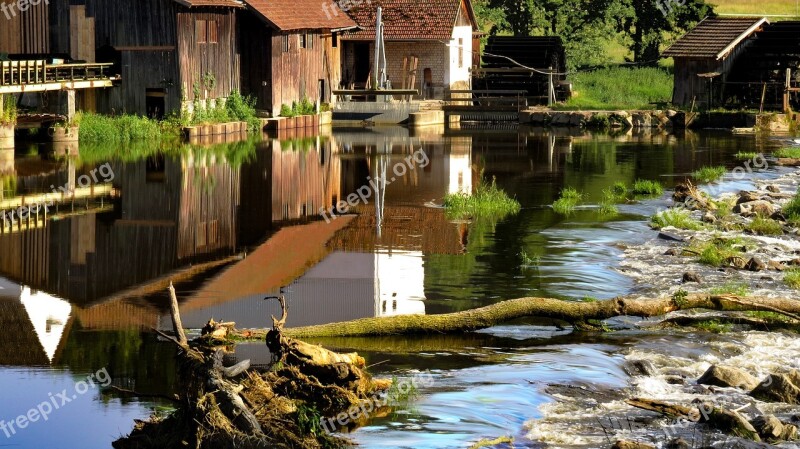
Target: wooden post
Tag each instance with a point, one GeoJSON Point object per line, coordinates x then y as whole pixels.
{"type": "Point", "coordinates": [786, 108]}
{"type": "Point", "coordinates": [550, 86]}
{"type": "Point", "coordinates": [177, 326]}
{"type": "Point", "coordinates": [763, 96]}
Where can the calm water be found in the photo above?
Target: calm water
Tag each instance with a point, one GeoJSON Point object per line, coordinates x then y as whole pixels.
{"type": "Point", "coordinates": [81, 290]}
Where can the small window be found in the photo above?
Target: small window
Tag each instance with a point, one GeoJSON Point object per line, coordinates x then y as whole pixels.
{"type": "Point", "coordinates": [213, 31]}
{"type": "Point", "coordinates": [335, 40]}
{"type": "Point", "coordinates": [460, 53]}
{"type": "Point", "coordinates": [306, 40]}
{"type": "Point", "coordinates": [285, 43]}
{"type": "Point", "coordinates": [201, 31]}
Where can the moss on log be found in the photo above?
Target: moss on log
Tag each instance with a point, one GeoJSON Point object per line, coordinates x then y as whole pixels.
{"type": "Point", "coordinates": [573, 312]}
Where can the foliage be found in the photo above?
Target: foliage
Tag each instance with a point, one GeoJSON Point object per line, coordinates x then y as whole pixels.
{"type": "Point", "coordinates": [120, 129]}
{"type": "Point", "coordinates": [569, 199]}
{"type": "Point", "coordinates": [678, 218]}
{"type": "Point", "coordinates": [305, 107]}
{"type": "Point", "coordinates": [487, 201]}
{"type": "Point", "coordinates": [679, 297]}
{"type": "Point", "coordinates": [745, 155]}
{"type": "Point", "coordinates": [792, 278]}
{"type": "Point", "coordinates": [788, 152]}
{"type": "Point", "coordinates": [243, 108]}
{"type": "Point", "coordinates": [309, 420]}
{"type": "Point", "coordinates": [647, 187]}
{"type": "Point", "coordinates": [714, 326]}
{"type": "Point", "coordinates": [529, 261]}
{"type": "Point", "coordinates": [8, 114]}
{"type": "Point", "coordinates": [791, 210]}
{"type": "Point", "coordinates": [619, 188]}
{"type": "Point", "coordinates": [709, 174]}
{"type": "Point", "coordinates": [765, 226]}
{"type": "Point", "coordinates": [608, 205]}
{"type": "Point", "coordinates": [620, 88]}
{"type": "Point", "coordinates": [717, 252]}
{"type": "Point", "coordinates": [731, 288]}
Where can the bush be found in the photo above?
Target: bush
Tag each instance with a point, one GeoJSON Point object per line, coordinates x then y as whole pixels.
{"type": "Point", "coordinates": [646, 187]}
{"type": "Point", "coordinates": [243, 109]}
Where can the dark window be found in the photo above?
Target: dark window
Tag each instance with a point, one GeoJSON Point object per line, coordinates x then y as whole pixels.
{"type": "Point", "coordinates": [306, 40]}
{"type": "Point", "coordinates": [285, 43]}
{"type": "Point", "coordinates": [335, 40]}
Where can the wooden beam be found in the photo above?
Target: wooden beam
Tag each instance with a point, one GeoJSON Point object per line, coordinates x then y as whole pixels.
{"type": "Point", "coordinates": [65, 85]}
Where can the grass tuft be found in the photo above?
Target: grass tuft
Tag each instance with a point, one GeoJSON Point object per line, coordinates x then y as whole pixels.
{"type": "Point", "coordinates": [731, 288]}
{"type": "Point", "coordinates": [608, 205]}
{"type": "Point", "coordinates": [569, 199]}
{"type": "Point", "coordinates": [745, 155]}
{"type": "Point", "coordinates": [647, 187]}
{"type": "Point", "coordinates": [765, 226]}
{"type": "Point", "coordinates": [791, 210]}
{"type": "Point", "coordinates": [788, 152]}
{"type": "Point", "coordinates": [792, 278]}
{"type": "Point", "coordinates": [678, 218]}
{"type": "Point", "coordinates": [709, 174]}
{"type": "Point", "coordinates": [487, 201]}
{"type": "Point", "coordinates": [119, 129]}
{"type": "Point", "coordinates": [717, 252]}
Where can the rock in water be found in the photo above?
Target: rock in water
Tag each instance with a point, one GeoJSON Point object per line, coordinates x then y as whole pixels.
{"type": "Point", "coordinates": [754, 264]}
{"type": "Point", "coordinates": [639, 368]}
{"type": "Point", "coordinates": [691, 276]}
{"type": "Point", "coordinates": [627, 444]}
{"type": "Point", "coordinates": [747, 197]}
{"type": "Point", "coordinates": [728, 421]}
{"type": "Point", "coordinates": [759, 207]}
{"type": "Point", "coordinates": [724, 376]}
{"type": "Point", "coordinates": [769, 427]}
{"type": "Point", "coordinates": [779, 388]}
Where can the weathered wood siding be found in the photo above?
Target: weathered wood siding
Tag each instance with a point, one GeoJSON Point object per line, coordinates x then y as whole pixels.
{"type": "Point", "coordinates": [198, 58]}
{"type": "Point", "coordinates": [296, 72]}
{"type": "Point", "coordinates": [24, 31]}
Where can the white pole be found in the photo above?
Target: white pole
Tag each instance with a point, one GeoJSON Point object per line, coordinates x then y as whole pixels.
{"type": "Point", "coordinates": [378, 43]}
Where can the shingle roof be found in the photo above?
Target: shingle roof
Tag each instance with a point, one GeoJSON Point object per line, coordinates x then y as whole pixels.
{"type": "Point", "coordinates": [409, 19]}
{"type": "Point", "coordinates": [201, 3]}
{"type": "Point", "coordinates": [292, 15]}
{"type": "Point", "coordinates": [714, 37]}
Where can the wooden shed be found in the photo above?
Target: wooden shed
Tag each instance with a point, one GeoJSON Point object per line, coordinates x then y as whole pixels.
{"type": "Point", "coordinates": [704, 57]}
{"type": "Point", "coordinates": [290, 51]}
{"type": "Point", "coordinates": [166, 50]}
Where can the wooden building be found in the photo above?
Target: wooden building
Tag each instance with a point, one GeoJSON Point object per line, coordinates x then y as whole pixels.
{"type": "Point", "coordinates": [24, 32]}
{"type": "Point", "coordinates": [167, 51]}
{"type": "Point", "coordinates": [705, 56]}
{"type": "Point", "coordinates": [290, 51]}
{"type": "Point", "coordinates": [429, 44]}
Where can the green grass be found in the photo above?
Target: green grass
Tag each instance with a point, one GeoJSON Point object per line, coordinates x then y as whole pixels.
{"type": "Point", "coordinates": [756, 7]}
{"type": "Point", "coordinates": [678, 218]}
{"type": "Point", "coordinates": [792, 278]}
{"type": "Point", "coordinates": [487, 201]}
{"type": "Point", "coordinates": [620, 88]}
{"type": "Point", "coordinates": [569, 199]}
{"type": "Point", "coordinates": [714, 326]}
{"type": "Point", "coordinates": [527, 260]}
{"type": "Point", "coordinates": [647, 187]}
{"type": "Point", "coordinates": [8, 113]}
{"type": "Point", "coordinates": [745, 155]}
{"type": "Point", "coordinates": [731, 288]}
{"type": "Point", "coordinates": [608, 205]}
{"type": "Point", "coordinates": [788, 152]}
{"type": "Point", "coordinates": [709, 174]}
{"type": "Point", "coordinates": [765, 226]}
{"type": "Point", "coordinates": [791, 210]}
{"type": "Point", "coordinates": [121, 128]}
{"type": "Point", "coordinates": [717, 252]}
{"type": "Point", "coordinates": [620, 188]}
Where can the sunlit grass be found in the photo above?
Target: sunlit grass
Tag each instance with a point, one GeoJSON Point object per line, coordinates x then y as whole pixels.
{"type": "Point", "coordinates": [717, 252]}
{"type": "Point", "coordinates": [792, 278]}
{"type": "Point", "coordinates": [620, 88]}
{"type": "Point", "coordinates": [757, 7]}
{"type": "Point", "coordinates": [765, 226]}
{"type": "Point", "coordinates": [745, 155]}
{"type": "Point", "coordinates": [608, 205]}
{"type": "Point", "coordinates": [487, 201]}
{"type": "Point", "coordinates": [791, 210]}
{"type": "Point", "coordinates": [788, 152]}
{"type": "Point", "coordinates": [647, 187]}
{"type": "Point", "coordinates": [709, 174]}
{"type": "Point", "coordinates": [731, 288]}
{"type": "Point", "coordinates": [569, 199]}
{"type": "Point", "coordinates": [678, 218]}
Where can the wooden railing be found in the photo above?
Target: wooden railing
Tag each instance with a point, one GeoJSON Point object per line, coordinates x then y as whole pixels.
{"type": "Point", "coordinates": [21, 73]}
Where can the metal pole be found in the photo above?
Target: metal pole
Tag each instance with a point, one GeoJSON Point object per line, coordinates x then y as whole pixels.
{"type": "Point", "coordinates": [376, 62]}
{"type": "Point", "coordinates": [550, 86]}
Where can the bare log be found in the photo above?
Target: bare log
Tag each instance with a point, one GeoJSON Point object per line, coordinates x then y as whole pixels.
{"type": "Point", "coordinates": [177, 325]}
{"type": "Point", "coordinates": [574, 312]}
{"type": "Point", "coordinates": [664, 408]}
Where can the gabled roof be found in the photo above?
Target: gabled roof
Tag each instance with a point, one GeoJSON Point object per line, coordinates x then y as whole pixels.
{"type": "Point", "coordinates": [715, 37]}
{"type": "Point", "coordinates": [207, 3]}
{"type": "Point", "coordinates": [411, 19]}
{"type": "Point", "coordinates": [293, 15]}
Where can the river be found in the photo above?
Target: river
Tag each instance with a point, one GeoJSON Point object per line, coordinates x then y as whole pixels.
{"type": "Point", "coordinates": [81, 291]}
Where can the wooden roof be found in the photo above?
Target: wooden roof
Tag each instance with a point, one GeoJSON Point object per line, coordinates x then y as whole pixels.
{"type": "Point", "coordinates": [211, 3]}
{"type": "Point", "coordinates": [714, 37]}
{"type": "Point", "coordinates": [294, 15]}
{"type": "Point", "coordinates": [411, 19]}
{"type": "Point", "coordinates": [21, 346]}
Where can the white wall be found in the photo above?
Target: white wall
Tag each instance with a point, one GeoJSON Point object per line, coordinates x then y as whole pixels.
{"type": "Point", "coordinates": [459, 75]}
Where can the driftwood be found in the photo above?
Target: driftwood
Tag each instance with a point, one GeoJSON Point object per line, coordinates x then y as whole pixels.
{"type": "Point", "coordinates": [573, 312]}
{"type": "Point", "coordinates": [239, 407]}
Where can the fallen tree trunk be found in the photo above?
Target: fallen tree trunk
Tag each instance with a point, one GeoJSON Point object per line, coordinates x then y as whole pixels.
{"type": "Point", "coordinates": [573, 312]}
